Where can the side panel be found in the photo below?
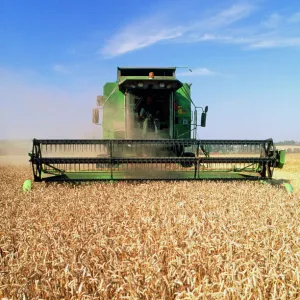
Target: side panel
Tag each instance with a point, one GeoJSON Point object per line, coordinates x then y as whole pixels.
{"type": "Point", "coordinates": [113, 112]}
{"type": "Point", "coordinates": [129, 117]}
{"type": "Point", "coordinates": [171, 116]}
{"type": "Point", "coordinates": [182, 124]}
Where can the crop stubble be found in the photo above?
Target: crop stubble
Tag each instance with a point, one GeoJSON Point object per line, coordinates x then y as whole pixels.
{"type": "Point", "coordinates": [148, 240]}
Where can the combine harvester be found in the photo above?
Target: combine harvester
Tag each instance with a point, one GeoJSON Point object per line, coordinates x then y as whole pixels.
{"type": "Point", "coordinates": [149, 124]}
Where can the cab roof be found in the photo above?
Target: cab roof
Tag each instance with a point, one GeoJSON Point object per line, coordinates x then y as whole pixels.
{"type": "Point", "coordinates": [144, 71]}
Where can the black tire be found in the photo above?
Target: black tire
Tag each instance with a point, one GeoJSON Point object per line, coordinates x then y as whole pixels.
{"type": "Point", "coordinates": [187, 164]}
{"type": "Point", "coordinates": [178, 150]}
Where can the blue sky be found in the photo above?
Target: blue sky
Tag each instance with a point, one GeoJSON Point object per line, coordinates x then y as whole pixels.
{"type": "Point", "coordinates": [55, 57]}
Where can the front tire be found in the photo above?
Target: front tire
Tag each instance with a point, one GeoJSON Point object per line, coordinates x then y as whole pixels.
{"type": "Point", "coordinates": [187, 164]}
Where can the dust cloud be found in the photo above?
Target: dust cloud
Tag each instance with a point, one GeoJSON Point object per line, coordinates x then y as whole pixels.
{"type": "Point", "coordinates": [33, 108]}
{"type": "Point", "coordinates": [15, 152]}
{"type": "Point", "coordinates": [36, 109]}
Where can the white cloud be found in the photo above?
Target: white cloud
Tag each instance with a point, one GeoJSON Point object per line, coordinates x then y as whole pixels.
{"type": "Point", "coordinates": [295, 18]}
{"type": "Point", "coordinates": [61, 69]}
{"type": "Point", "coordinates": [275, 43]}
{"type": "Point", "coordinates": [207, 37]}
{"type": "Point", "coordinates": [198, 72]}
{"type": "Point", "coordinates": [273, 21]}
{"type": "Point", "coordinates": [152, 30]}
{"type": "Point", "coordinates": [275, 33]}
{"type": "Point", "coordinates": [140, 35]}
{"type": "Point", "coordinates": [276, 30]}
{"type": "Point", "coordinates": [229, 16]}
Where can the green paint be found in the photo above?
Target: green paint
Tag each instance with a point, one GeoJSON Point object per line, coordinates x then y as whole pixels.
{"type": "Point", "coordinates": [182, 126]}
{"type": "Point", "coordinates": [282, 154]}
{"type": "Point", "coordinates": [115, 108]}
{"type": "Point", "coordinates": [27, 185]}
{"type": "Point", "coordinates": [114, 100]}
{"type": "Point", "coordinates": [143, 73]}
{"type": "Point", "coordinates": [165, 78]}
{"type": "Point", "coordinates": [122, 175]}
{"type": "Point", "coordinates": [113, 112]}
{"type": "Point", "coordinates": [289, 188]}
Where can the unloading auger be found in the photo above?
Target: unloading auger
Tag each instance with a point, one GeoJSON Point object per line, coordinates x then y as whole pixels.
{"type": "Point", "coordinates": [149, 124]}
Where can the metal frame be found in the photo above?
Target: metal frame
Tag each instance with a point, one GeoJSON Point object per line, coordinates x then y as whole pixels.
{"type": "Point", "coordinates": [57, 167]}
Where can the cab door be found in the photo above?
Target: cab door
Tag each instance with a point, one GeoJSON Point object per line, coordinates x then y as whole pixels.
{"type": "Point", "coordinates": [183, 117]}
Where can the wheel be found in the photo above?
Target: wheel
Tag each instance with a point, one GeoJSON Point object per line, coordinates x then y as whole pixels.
{"type": "Point", "coordinates": [178, 150]}
{"type": "Point", "coordinates": [187, 164]}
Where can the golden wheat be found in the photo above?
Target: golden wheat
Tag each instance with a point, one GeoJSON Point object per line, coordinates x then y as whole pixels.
{"type": "Point", "coordinates": [155, 240]}
{"type": "Point", "coordinates": [290, 171]}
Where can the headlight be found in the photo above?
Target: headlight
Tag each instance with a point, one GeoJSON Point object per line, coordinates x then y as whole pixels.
{"type": "Point", "coordinates": [162, 85]}
{"type": "Point", "coordinates": [140, 84]}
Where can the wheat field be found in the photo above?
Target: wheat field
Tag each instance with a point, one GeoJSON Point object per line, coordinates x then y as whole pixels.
{"type": "Point", "coordinates": [148, 240]}
{"type": "Point", "coordinates": [291, 171]}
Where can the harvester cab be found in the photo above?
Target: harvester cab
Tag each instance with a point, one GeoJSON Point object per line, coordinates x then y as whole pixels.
{"type": "Point", "coordinates": [149, 125]}
{"type": "Point", "coordinates": [147, 103]}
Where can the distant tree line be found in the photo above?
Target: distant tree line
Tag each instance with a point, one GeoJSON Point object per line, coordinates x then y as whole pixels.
{"type": "Point", "coordinates": [291, 146]}
{"type": "Point", "coordinates": [291, 142]}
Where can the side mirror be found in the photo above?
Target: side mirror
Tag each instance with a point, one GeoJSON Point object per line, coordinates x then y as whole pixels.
{"type": "Point", "coordinates": [203, 119]}
{"type": "Point", "coordinates": [206, 109]}
{"type": "Point", "coordinates": [95, 115]}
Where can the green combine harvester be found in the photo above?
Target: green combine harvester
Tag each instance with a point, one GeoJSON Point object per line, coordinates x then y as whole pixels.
{"type": "Point", "coordinates": [149, 125]}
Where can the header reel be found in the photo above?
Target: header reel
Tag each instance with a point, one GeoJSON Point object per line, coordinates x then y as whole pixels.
{"type": "Point", "coordinates": [68, 160]}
